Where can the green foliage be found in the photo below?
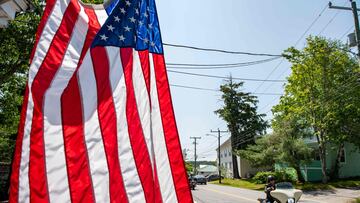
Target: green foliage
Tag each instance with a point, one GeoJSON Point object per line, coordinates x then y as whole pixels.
{"type": "Point", "coordinates": [189, 167]}
{"type": "Point", "coordinates": [280, 176]}
{"type": "Point", "coordinates": [321, 97]}
{"type": "Point", "coordinates": [239, 112]}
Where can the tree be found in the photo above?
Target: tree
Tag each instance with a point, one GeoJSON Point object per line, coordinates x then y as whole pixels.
{"type": "Point", "coordinates": [322, 94]}
{"type": "Point", "coordinates": [239, 112]}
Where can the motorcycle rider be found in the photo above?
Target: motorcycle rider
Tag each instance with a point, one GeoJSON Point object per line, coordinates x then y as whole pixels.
{"type": "Point", "coordinates": [270, 186]}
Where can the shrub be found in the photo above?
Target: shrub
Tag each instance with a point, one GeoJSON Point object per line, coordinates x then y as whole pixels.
{"type": "Point", "coordinates": [286, 175]}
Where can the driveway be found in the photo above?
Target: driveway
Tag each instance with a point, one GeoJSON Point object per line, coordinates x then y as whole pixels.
{"type": "Point", "coordinates": [212, 193]}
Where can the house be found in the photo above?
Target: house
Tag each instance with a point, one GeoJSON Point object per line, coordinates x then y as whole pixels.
{"type": "Point", "coordinates": [244, 167]}
{"type": "Point", "coordinates": [349, 162]}
{"type": "Point", "coordinates": [206, 170]}
{"type": "Point", "coordinates": [9, 8]}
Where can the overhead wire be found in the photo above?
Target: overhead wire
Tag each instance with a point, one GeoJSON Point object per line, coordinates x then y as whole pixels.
{"type": "Point", "coordinates": [224, 77]}
{"type": "Point", "coordinates": [219, 50]}
{"type": "Point", "coordinates": [331, 20]}
{"type": "Point", "coordinates": [217, 66]}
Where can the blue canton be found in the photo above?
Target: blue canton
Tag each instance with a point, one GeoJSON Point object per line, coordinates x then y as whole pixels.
{"type": "Point", "coordinates": [132, 23]}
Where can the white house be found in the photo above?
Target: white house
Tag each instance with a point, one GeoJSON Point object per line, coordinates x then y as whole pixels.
{"type": "Point", "coordinates": [245, 169]}
{"type": "Point", "coordinates": [9, 8]}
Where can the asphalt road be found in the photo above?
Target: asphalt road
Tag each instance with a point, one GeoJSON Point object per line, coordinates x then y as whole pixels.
{"type": "Point", "coordinates": [224, 194]}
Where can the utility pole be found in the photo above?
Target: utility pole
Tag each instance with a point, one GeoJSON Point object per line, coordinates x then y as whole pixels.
{"type": "Point", "coordinates": [355, 10]}
{"type": "Point", "coordinates": [219, 161]}
{"type": "Point", "coordinates": [195, 157]}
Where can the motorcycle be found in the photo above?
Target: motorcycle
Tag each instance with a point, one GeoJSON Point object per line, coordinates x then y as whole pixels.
{"type": "Point", "coordinates": [284, 193]}
{"type": "Point", "coordinates": [192, 183]}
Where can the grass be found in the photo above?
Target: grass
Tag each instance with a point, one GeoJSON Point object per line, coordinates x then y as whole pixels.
{"type": "Point", "coordinates": [240, 183]}
{"type": "Point", "coordinates": [248, 184]}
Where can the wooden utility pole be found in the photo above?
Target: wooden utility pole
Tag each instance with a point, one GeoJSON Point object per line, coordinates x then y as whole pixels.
{"type": "Point", "coordinates": [219, 136]}
{"type": "Point", "coordinates": [195, 157]}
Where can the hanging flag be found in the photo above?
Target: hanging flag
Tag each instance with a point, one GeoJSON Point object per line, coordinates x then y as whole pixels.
{"type": "Point", "coordinates": [97, 123]}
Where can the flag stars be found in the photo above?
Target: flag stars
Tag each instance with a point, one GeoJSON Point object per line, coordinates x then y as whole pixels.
{"type": "Point", "coordinates": [110, 28]}
{"type": "Point", "coordinates": [132, 19]}
{"type": "Point", "coordinates": [141, 23]}
{"type": "Point", "coordinates": [122, 10]}
{"type": "Point", "coordinates": [137, 11]}
{"type": "Point", "coordinates": [116, 18]}
{"type": "Point", "coordinates": [128, 3]}
{"type": "Point", "coordinates": [103, 37]}
{"type": "Point", "coordinates": [146, 15]}
{"type": "Point", "coordinates": [152, 44]}
{"type": "Point", "coordinates": [146, 40]}
{"type": "Point", "coordinates": [122, 38]}
{"type": "Point", "coordinates": [150, 26]}
{"type": "Point", "coordinates": [127, 28]}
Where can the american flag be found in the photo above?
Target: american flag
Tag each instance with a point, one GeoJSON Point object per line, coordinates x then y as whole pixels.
{"type": "Point", "coordinates": [97, 123]}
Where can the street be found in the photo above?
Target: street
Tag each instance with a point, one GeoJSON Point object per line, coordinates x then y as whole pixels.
{"type": "Point", "coordinates": [212, 193]}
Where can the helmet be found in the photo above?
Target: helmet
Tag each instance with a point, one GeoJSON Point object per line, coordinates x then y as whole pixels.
{"type": "Point", "coordinates": [270, 178]}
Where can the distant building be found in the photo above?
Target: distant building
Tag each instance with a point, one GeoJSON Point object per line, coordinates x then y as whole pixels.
{"type": "Point", "coordinates": [9, 8]}
{"type": "Point", "coordinates": [244, 167]}
{"type": "Point", "coordinates": [206, 170]}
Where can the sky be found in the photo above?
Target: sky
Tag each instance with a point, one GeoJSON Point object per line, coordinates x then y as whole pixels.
{"type": "Point", "coordinates": [268, 26]}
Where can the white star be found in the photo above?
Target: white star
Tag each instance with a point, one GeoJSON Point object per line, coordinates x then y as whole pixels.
{"type": "Point", "coordinates": [137, 11]}
{"type": "Point", "coordinates": [122, 10]}
{"type": "Point", "coordinates": [141, 23]}
{"type": "Point", "coordinates": [128, 3]}
{"type": "Point", "coordinates": [146, 15]}
{"type": "Point", "coordinates": [132, 19]}
{"type": "Point", "coordinates": [117, 19]}
{"type": "Point", "coordinates": [121, 38]}
{"type": "Point", "coordinates": [150, 26]}
{"type": "Point", "coordinates": [146, 40]}
{"type": "Point", "coordinates": [103, 37]}
{"type": "Point", "coordinates": [127, 28]}
{"type": "Point", "coordinates": [147, 8]}
{"type": "Point", "coordinates": [134, 38]}
{"type": "Point", "coordinates": [110, 27]}
{"type": "Point", "coordinates": [152, 44]}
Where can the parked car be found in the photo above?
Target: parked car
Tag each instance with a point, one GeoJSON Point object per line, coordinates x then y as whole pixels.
{"type": "Point", "coordinates": [213, 177]}
{"type": "Point", "coordinates": [200, 179]}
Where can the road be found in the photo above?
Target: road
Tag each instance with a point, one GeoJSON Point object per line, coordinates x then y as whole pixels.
{"type": "Point", "coordinates": [224, 194]}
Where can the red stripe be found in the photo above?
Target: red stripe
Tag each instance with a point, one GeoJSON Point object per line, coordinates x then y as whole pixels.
{"type": "Point", "coordinates": [171, 135]}
{"type": "Point", "coordinates": [77, 161]}
{"type": "Point", "coordinates": [42, 81]}
{"type": "Point", "coordinates": [145, 66]}
{"type": "Point", "coordinates": [48, 8]}
{"type": "Point", "coordinates": [107, 118]}
{"type": "Point", "coordinates": [15, 170]}
{"type": "Point", "coordinates": [137, 140]}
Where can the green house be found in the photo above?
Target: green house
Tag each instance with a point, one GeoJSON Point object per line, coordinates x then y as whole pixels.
{"type": "Point", "coordinates": [349, 164]}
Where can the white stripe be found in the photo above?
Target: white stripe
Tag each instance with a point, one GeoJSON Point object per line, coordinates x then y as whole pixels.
{"type": "Point", "coordinates": [53, 134]}
{"type": "Point", "coordinates": [142, 101]}
{"type": "Point", "coordinates": [129, 172]}
{"type": "Point", "coordinates": [161, 156]}
{"type": "Point", "coordinates": [93, 138]}
{"type": "Point", "coordinates": [101, 15]}
{"type": "Point", "coordinates": [47, 35]}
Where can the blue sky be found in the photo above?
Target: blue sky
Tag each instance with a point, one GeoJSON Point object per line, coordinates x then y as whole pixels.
{"type": "Point", "coordinates": [241, 25]}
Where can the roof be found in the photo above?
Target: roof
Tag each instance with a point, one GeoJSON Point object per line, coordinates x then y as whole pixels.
{"type": "Point", "coordinates": [208, 168]}
{"type": "Point", "coordinates": [226, 142]}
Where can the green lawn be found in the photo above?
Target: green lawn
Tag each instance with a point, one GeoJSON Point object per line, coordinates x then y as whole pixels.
{"type": "Point", "coordinates": [248, 184]}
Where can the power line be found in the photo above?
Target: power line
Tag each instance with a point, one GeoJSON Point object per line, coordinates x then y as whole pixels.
{"type": "Point", "coordinates": [217, 66]}
{"type": "Point", "coordinates": [296, 43]}
{"type": "Point", "coordinates": [331, 20]}
{"type": "Point", "coordinates": [217, 90]}
{"type": "Point", "coordinates": [219, 50]}
{"type": "Point", "coordinates": [223, 77]}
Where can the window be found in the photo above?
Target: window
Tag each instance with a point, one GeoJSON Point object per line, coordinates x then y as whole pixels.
{"type": "Point", "coordinates": [343, 156]}
{"type": "Point", "coordinates": [316, 155]}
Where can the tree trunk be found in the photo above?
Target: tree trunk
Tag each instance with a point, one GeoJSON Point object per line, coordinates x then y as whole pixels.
{"type": "Point", "coordinates": [299, 174]}
{"type": "Point", "coordinates": [336, 167]}
{"type": "Point", "coordinates": [235, 167]}
{"type": "Point", "coordinates": [322, 154]}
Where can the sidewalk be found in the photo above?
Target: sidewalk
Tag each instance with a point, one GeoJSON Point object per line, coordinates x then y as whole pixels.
{"type": "Point", "coordinates": [332, 196]}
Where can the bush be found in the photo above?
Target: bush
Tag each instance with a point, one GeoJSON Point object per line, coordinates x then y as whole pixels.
{"type": "Point", "coordinates": [287, 175]}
